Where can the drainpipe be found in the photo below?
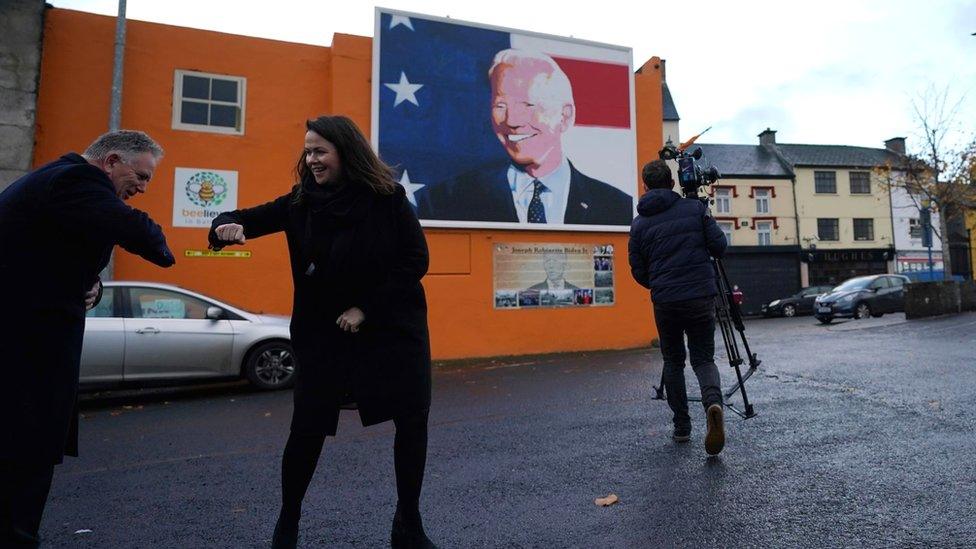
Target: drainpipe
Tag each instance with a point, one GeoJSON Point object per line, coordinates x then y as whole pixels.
{"type": "Point", "coordinates": [115, 111]}
{"type": "Point", "coordinates": [115, 115]}
{"type": "Point", "coordinates": [796, 225]}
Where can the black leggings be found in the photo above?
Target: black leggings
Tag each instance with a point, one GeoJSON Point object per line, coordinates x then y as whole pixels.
{"type": "Point", "coordinates": [409, 456]}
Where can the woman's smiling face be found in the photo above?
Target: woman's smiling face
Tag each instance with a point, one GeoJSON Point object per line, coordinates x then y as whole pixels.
{"type": "Point", "coordinates": [322, 158]}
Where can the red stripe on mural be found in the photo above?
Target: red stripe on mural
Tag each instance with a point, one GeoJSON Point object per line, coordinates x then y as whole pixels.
{"type": "Point", "coordinates": [601, 91]}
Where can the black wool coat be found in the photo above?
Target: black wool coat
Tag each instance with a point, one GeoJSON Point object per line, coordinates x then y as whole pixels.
{"type": "Point", "coordinates": [58, 225]}
{"type": "Point", "coordinates": [374, 262]}
{"type": "Point", "coordinates": [671, 242]}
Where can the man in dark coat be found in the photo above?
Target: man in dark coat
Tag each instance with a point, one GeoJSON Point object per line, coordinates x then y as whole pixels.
{"type": "Point", "coordinates": [672, 241]}
{"type": "Point", "coordinates": [58, 225]}
{"type": "Point", "coordinates": [485, 194]}
{"type": "Point", "coordinates": [532, 108]}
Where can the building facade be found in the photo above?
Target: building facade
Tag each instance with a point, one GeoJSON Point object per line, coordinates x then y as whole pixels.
{"type": "Point", "coordinates": [237, 105]}
{"type": "Point", "coordinates": [21, 22]}
{"type": "Point", "coordinates": [843, 210]}
{"type": "Point", "coordinates": [804, 215]}
{"type": "Point", "coordinates": [753, 204]}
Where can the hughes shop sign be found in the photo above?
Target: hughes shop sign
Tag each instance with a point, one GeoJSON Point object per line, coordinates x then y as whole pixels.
{"type": "Point", "coordinates": [200, 195]}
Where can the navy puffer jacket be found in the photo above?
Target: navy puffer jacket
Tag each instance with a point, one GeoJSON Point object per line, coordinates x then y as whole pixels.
{"type": "Point", "coordinates": [671, 241]}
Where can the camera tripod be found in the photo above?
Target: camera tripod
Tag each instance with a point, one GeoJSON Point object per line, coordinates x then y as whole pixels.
{"type": "Point", "coordinates": [728, 318]}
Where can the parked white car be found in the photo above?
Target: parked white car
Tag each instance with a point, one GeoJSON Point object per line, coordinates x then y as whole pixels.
{"type": "Point", "coordinates": [149, 332]}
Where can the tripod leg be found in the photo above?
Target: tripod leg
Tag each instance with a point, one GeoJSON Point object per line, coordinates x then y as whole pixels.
{"type": "Point", "coordinates": [659, 389]}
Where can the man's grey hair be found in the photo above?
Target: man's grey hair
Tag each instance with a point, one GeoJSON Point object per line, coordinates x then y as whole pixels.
{"type": "Point", "coordinates": [558, 90]}
{"type": "Point", "coordinates": [125, 143]}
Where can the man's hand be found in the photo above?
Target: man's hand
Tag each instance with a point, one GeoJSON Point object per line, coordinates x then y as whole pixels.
{"type": "Point", "coordinates": [92, 295]}
{"type": "Point", "coordinates": [350, 320]}
{"type": "Point", "coordinates": [231, 233]}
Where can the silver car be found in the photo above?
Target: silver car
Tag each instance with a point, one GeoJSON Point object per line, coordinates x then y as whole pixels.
{"type": "Point", "coordinates": [150, 332]}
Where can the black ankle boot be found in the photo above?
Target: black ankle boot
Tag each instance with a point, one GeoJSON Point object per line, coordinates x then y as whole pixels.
{"type": "Point", "coordinates": [285, 533]}
{"type": "Point", "coordinates": [409, 534]}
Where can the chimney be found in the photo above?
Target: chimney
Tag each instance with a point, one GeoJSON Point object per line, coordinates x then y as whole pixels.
{"type": "Point", "coordinates": [896, 145]}
{"type": "Point", "coordinates": [768, 137]}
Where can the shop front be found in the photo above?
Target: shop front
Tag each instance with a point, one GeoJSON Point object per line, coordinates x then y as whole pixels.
{"type": "Point", "coordinates": [835, 266]}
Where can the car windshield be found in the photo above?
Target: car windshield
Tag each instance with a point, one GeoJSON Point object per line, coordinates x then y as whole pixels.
{"type": "Point", "coordinates": [854, 284]}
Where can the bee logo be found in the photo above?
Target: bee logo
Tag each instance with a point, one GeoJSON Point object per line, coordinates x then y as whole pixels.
{"type": "Point", "coordinates": [206, 189]}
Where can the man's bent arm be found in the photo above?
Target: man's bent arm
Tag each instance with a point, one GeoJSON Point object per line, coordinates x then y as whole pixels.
{"type": "Point", "coordinates": [638, 265]}
{"type": "Point", "coordinates": [88, 205]}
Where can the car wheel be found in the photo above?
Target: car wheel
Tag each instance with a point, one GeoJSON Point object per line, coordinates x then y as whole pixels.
{"type": "Point", "coordinates": [825, 319]}
{"type": "Point", "coordinates": [789, 311]}
{"type": "Point", "coordinates": [862, 311]}
{"type": "Point", "coordinates": [271, 366]}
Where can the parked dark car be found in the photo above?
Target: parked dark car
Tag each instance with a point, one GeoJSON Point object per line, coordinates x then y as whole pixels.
{"type": "Point", "coordinates": [800, 303]}
{"type": "Point", "coordinates": [862, 297]}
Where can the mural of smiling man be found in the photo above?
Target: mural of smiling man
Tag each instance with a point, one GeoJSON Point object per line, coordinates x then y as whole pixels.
{"type": "Point", "coordinates": [532, 107]}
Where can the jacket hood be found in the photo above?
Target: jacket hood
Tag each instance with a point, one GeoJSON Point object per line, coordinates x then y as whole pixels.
{"type": "Point", "coordinates": [656, 201]}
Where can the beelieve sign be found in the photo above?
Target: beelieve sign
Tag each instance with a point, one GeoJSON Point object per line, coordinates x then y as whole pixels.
{"type": "Point", "coordinates": [200, 195]}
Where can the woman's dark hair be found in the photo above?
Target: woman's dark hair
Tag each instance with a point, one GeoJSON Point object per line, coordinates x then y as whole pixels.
{"type": "Point", "coordinates": [358, 162]}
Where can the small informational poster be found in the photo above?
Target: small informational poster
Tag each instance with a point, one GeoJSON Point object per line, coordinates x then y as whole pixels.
{"type": "Point", "coordinates": [200, 195]}
{"type": "Point", "coordinates": [535, 275]}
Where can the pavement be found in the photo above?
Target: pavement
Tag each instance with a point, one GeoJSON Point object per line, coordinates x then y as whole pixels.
{"type": "Point", "coordinates": [864, 438]}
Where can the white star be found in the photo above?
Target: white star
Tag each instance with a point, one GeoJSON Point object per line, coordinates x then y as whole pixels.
{"type": "Point", "coordinates": [411, 188]}
{"type": "Point", "coordinates": [405, 91]}
{"type": "Point", "coordinates": [400, 20]}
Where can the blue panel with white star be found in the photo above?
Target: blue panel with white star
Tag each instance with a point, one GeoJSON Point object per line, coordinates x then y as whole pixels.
{"type": "Point", "coordinates": [434, 98]}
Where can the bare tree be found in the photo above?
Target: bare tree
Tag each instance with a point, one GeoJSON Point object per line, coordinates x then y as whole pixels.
{"type": "Point", "coordinates": [940, 172]}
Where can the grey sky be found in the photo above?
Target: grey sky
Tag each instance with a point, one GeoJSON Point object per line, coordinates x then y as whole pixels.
{"type": "Point", "coordinates": [823, 72]}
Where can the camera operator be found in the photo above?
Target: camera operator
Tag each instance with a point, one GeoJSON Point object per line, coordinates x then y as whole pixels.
{"type": "Point", "coordinates": [671, 241]}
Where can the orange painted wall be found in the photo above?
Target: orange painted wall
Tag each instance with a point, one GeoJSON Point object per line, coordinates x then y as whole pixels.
{"type": "Point", "coordinates": [287, 83]}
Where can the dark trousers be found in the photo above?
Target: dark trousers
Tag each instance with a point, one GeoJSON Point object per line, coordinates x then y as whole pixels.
{"type": "Point", "coordinates": [694, 318]}
{"type": "Point", "coordinates": [23, 493]}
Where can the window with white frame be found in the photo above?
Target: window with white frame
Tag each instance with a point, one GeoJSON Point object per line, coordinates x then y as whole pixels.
{"type": "Point", "coordinates": [208, 102]}
{"type": "Point", "coordinates": [723, 201]}
{"type": "Point", "coordinates": [765, 231]}
{"type": "Point", "coordinates": [762, 200]}
{"type": "Point", "coordinates": [726, 227]}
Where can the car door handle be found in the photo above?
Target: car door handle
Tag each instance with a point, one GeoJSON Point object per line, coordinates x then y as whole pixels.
{"type": "Point", "coordinates": [148, 331]}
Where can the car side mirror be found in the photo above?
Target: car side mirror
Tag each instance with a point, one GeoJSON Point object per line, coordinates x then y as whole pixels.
{"type": "Point", "coordinates": [215, 313]}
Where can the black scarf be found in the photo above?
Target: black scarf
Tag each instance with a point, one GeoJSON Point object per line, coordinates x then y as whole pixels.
{"type": "Point", "coordinates": [338, 204]}
{"type": "Point", "coordinates": [331, 209]}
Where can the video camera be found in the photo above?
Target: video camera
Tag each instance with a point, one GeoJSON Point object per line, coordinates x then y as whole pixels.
{"type": "Point", "coordinates": [691, 175]}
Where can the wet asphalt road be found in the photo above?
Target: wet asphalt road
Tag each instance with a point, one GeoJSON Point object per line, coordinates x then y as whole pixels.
{"type": "Point", "coordinates": [865, 438]}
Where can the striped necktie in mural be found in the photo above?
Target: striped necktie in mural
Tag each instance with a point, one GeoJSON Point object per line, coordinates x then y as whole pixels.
{"type": "Point", "coordinates": [537, 212]}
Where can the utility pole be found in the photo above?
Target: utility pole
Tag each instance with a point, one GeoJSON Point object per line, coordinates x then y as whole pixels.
{"type": "Point", "coordinates": [115, 111]}
{"type": "Point", "coordinates": [926, 221]}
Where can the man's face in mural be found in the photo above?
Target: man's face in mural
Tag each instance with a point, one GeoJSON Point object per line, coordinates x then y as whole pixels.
{"type": "Point", "coordinates": [555, 265]}
{"type": "Point", "coordinates": [526, 117]}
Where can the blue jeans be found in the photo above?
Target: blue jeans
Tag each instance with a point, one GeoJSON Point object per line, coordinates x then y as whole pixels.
{"type": "Point", "coordinates": [694, 318]}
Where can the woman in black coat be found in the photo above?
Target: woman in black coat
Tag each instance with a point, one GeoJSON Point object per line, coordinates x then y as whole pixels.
{"type": "Point", "coordinates": [359, 319]}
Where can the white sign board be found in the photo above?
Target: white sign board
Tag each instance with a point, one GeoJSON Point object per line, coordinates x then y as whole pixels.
{"type": "Point", "coordinates": [200, 195]}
